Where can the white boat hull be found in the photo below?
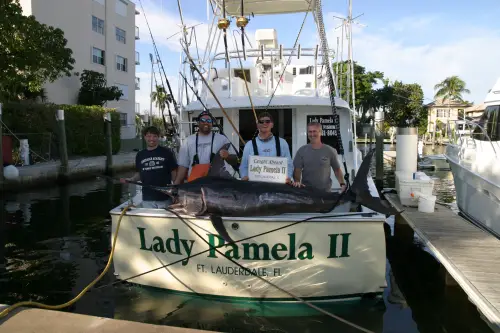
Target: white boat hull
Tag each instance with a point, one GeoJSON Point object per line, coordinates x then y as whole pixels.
{"type": "Point", "coordinates": [476, 184]}
{"type": "Point", "coordinates": [317, 260]}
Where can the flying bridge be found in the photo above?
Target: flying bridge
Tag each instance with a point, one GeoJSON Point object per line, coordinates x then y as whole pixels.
{"type": "Point", "coordinates": [266, 7]}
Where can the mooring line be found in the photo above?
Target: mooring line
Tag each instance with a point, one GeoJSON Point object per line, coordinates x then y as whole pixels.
{"type": "Point", "coordinates": [347, 322]}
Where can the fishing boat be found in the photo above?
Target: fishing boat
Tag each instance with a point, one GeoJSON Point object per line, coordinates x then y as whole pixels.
{"type": "Point", "coordinates": [339, 255]}
{"type": "Point", "coordinates": [475, 164]}
{"type": "Point", "coordinates": [433, 162]}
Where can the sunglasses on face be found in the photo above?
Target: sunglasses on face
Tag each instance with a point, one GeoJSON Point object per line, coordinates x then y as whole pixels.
{"type": "Point", "coordinates": [267, 121]}
{"type": "Point", "coordinates": [206, 120]}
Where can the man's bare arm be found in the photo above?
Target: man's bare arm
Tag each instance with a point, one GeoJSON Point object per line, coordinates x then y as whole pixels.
{"type": "Point", "coordinates": [297, 175]}
{"type": "Point", "coordinates": [174, 175]}
{"type": "Point", "coordinates": [181, 175]}
{"type": "Point", "coordinates": [339, 175]}
{"type": "Point", "coordinates": [135, 178]}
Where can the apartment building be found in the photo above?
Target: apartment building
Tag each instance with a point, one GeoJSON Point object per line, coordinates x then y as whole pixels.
{"type": "Point", "coordinates": [102, 35]}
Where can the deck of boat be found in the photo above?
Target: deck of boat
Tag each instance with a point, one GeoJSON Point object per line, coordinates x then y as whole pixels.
{"type": "Point", "coordinates": [469, 254]}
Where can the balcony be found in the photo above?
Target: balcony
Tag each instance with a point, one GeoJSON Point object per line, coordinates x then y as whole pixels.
{"type": "Point", "coordinates": [137, 58]}
{"type": "Point", "coordinates": [137, 83]}
{"type": "Point", "coordinates": [137, 32]}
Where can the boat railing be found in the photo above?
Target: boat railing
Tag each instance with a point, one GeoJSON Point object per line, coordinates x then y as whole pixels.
{"type": "Point", "coordinates": [273, 52]}
{"type": "Point", "coordinates": [472, 125]}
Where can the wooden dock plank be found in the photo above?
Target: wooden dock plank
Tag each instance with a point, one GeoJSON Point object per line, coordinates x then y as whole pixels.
{"type": "Point", "coordinates": [469, 254]}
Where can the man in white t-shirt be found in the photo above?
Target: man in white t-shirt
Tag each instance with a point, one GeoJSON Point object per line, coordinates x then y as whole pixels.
{"type": "Point", "coordinates": [196, 155]}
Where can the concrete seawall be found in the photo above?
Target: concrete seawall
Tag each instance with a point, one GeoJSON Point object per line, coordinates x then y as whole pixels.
{"type": "Point", "coordinates": [48, 172]}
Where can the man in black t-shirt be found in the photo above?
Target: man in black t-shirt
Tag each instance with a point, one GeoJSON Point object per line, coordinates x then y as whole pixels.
{"type": "Point", "coordinates": [157, 166]}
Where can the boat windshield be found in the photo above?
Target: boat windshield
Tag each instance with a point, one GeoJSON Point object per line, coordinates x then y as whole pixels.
{"type": "Point", "coordinates": [489, 121]}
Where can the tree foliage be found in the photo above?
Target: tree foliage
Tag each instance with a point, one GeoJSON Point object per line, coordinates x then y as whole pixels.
{"type": "Point", "coordinates": [406, 105]}
{"type": "Point", "coordinates": [161, 98]}
{"type": "Point", "coordinates": [31, 53]}
{"type": "Point", "coordinates": [94, 90]}
{"type": "Point", "coordinates": [85, 134]}
{"type": "Point", "coordinates": [451, 89]}
{"type": "Point", "coordinates": [363, 84]}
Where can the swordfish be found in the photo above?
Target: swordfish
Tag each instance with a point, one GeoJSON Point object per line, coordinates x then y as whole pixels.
{"type": "Point", "coordinates": [219, 194]}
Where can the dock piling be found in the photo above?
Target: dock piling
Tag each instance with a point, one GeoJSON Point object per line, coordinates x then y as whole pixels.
{"type": "Point", "coordinates": [63, 148]}
{"type": "Point", "coordinates": [109, 144]}
{"type": "Point", "coordinates": [379, 149]}
{"type": "Point", "coordinates": [1, 146]}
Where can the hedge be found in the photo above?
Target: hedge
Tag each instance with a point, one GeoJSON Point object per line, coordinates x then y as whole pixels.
{"type": "Point", "coordinates": [84, 126]}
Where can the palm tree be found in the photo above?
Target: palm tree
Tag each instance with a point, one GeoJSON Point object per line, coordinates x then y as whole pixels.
{"type": "Point", "coordinates": [451, 89]}
{"type": "Point", "coordinates": [161, 98]}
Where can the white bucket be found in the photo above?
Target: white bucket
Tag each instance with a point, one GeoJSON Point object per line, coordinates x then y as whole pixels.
{"type": "Point", "coordinates": [426, 203]}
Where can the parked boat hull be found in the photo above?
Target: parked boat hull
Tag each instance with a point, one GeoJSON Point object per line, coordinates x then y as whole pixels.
{"type": "Point", "coordinates": [318, 260]}
{"type": "Point", "coordinates": [476, 198]}
{"type": "Point", "coordinates": [475, 174]}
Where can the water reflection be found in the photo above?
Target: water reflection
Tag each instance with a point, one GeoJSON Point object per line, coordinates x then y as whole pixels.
{"type": "Point", "coordinates": [57, 240]}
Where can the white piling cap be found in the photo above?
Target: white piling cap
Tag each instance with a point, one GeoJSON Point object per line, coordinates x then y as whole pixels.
{"type": "Point", "coordinates": [60, 115]}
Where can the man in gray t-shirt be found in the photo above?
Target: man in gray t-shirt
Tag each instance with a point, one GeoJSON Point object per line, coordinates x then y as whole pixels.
{"type": "Point", "coordinates": [313, 162]}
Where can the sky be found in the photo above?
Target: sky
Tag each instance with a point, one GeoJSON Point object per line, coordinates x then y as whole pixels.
{"type": "Point", "coordinates": [414, 41]}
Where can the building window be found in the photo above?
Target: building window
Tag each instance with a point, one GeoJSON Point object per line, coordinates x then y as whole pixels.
{"type": "Point", "coordinates": [123, 119]}
{"type": "Point", "coordinates": [137, 32]}
{"type": "Point", "coordinates": [121, 7]}
{"type": "Point", "coordinates": [124, 90]}
{"type": "Point", "coordinates": [121, 63]}
{"type": "Point", "coordinates": [308, 84]}
{"type": "Point", "coordinates": [137, 83]}
{"type": "Point", "coordinates": [120, 35]}
{"type": "Point", "coordinates": [137, 58]}
{"type": "Point", "coordinates": [443, 113]}
{"type": "Point", "coordinates": [98, 56]}
{"type": "Point", "coordinates": [98, 25]}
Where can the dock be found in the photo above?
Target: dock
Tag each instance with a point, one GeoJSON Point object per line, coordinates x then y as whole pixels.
{"type": "Point", "coordinates": [470, 255]}
{"type": "Point", "coordinates": [78, 168]}
{"type": "Point", "coordinates": [29, 320]}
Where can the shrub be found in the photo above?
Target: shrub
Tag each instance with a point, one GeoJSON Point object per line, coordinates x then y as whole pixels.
{"type": "Point", "coordinates": [84, 126]}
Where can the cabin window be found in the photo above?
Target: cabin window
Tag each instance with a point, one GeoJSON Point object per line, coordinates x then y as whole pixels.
{"type": "Point", "coordinates": [306, 70]}
{"type": "Point", "coordinates": [282, 124]}
{"type": "Point", "coordinates": [239, 73]}
{"type": "Point", "coordinates": [488, 121]}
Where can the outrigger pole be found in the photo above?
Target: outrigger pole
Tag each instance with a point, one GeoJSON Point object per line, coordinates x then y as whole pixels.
{"type": "Point", "coordinates": [160, 63]}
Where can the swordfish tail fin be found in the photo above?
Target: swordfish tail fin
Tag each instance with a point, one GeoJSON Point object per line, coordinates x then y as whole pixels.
{"type": "Point", "coordinates": [361, 191]}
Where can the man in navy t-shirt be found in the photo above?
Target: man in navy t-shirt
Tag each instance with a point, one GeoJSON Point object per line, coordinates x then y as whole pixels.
{"type": "Point", "coordinates": [156, 166]}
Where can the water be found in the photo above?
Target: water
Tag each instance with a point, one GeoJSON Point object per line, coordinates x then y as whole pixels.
{"type": "Point", "coordinates": [56, 241]}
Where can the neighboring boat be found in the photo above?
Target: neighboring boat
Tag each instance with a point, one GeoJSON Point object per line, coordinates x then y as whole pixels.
{"type": "Point", "coordinates": [338, 255]}
{"type": "Point", "coordinates": [475, 165]}
{"type": "Point", "coordinates": [434, 162]}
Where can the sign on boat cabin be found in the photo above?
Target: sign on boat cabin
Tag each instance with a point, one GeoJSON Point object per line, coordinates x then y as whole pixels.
{"type": "Point", "coordinates": [330, 132]}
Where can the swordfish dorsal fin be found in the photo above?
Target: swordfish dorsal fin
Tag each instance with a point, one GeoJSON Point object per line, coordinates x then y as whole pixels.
{"type": "Point", "coordinates": [362, 192]}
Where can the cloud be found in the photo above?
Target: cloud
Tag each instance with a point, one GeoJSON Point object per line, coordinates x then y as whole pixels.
{"type": "Point", "coordinates": [166, 26]}
{"type": "Point", "coordinates": [427, 61]}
